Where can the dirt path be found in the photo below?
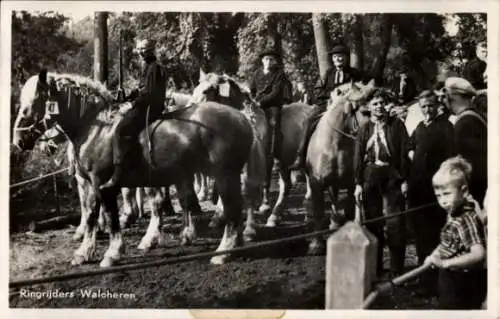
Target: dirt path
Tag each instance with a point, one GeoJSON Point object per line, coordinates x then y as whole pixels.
{"type": "Point", "coordinates": [283, 277]}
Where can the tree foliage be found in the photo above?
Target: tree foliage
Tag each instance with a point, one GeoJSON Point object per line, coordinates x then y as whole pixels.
{"type": "Point", "coordinates": [231, 42]}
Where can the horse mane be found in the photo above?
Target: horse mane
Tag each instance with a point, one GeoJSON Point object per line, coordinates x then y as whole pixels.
{"type": "Point", "coordinates": [79, 81]}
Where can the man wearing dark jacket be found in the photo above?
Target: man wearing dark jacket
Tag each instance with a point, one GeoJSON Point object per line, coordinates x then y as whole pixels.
{"type": "Point", "coordinates": [471, 133]}
{"type": "Point", "coordinates": [267, 87]}
{"type": "Point", "coordinates": [381, 167]}
{"type": "Point", "coordinates": [475, 68]}
{"type": "Point", "coordinates": [431, 143]}
{"type": "Point", "coordinates": [404, 87]}
{"type": "Point", "coordinates": [341, 73]}
{"type": "Point", "coordinates": [151, 93]}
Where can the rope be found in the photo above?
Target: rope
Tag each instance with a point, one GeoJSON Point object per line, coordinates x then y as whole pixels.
{"type": "Point", "coordinates": [193, 257]}
{"type": "Point", "coordinates": [38, 178]}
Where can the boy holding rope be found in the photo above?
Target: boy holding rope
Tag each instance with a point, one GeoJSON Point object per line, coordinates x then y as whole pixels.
{"type": "Point", "coordinates": [461, 252]}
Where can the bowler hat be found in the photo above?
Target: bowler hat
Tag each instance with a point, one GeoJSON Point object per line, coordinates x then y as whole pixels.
{"type": "Point", "coordinates": [269, 51]}
{"type": "Point", "coordinates": [456, 85]}
{"type": "Point", "coordinates": [339, 49]}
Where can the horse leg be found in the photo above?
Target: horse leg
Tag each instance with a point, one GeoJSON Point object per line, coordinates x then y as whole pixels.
{"type": "Point", "coordinates": [202, 193]}
{"type": "Point", "coordinates": [129, 206]}
{"type": "Point", "coordinates": [316, 209]}
{"type": "Point", "coordinates": [154, 234]}
{"type": "Point", "coordinates": [191, 206]}
{"type": "Point", "coordinates": [168, 208]}
{"type": "Point", "coordinates": [116, 247]}
{"type": "Point", "coordinates": [83, 193]}
{"type": "Point", "coordinates": [252, 193]}
{"type": "Point", "coordinates": [139, 198]}
{"type": "Point", "coordinates": [285, 184]}
{"type": "Point", "coordinates": [86, 251]}
{"type": "Point", "coordinates": [264, 206]}
{"type": "Point", "coordinates": [229, 187]}
{"type": "Point", "coordinates": [307, 196]}
{"type": "Point", "coordinates": [335, 223]}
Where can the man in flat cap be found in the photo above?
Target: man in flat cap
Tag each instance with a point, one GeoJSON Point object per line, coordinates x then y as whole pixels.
{"type": "Point", "coordinates": [470, 130]}
{"type": "Point", "coordinates": [151, 93]}
{"type": "Point", "coordinates": [340, 73]}
{"type": "Point", "coordinates": [475, 68]}
{"type": "Point", "coordinates": [268, 86]}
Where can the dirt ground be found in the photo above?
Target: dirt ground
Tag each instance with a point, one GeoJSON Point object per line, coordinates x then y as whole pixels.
{"type": "Point", "coordinates": [283, 277]}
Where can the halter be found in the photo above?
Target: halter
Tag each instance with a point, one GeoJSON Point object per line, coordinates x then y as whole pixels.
{"type": "Point", "coordinates": [52, 110]}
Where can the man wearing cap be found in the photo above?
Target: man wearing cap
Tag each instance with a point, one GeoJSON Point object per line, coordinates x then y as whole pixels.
{"type": "Point", "coordinates": [475, 68]}
{"type": "Point", "coordinates": [151, 93]}
{"type": "Point", "coordinates": [470, 130]}
{"type": "Point", "coordinates": [431, 143]}
{"type": "Point", "coordinates": [267, 87]}
{"type": "Point", "coordinates": [340, 73]}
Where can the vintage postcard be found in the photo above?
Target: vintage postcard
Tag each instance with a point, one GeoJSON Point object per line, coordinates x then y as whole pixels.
{"type": "Point", "coordinates": [250, 159]}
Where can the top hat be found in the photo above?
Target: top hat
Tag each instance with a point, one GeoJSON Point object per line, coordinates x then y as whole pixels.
{"type": "Point", "coordinates": [339, 49]}
{"type": "Point", "coordinates": [271, 52]}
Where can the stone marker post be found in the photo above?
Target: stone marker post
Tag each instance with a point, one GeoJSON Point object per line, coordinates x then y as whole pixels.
{"type": "Point", "coordinates": [351, 261]}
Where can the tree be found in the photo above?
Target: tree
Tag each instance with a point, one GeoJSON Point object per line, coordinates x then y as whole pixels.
{"type": "Point", "coordinates": [322, 44]}
{"type": "Point", "coordinates": [38, 41]}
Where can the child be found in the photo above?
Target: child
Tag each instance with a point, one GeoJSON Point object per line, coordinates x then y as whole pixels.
{"type": "Point", "coordinates": [461, 253]}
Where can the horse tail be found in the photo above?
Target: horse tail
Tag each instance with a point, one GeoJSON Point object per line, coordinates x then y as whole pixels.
{"type": "Point", "coordinates": [256, 174]}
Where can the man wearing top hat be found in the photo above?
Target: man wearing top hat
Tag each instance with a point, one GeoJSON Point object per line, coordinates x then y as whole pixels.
{"type": "Point", "coordinates": [340, 73]}
{"type": "Point", "coordinates": [267, 86]}
{"type": "Point", "coordinates": [470, 130]}
{"type": "Point", "coordinates": [151, 93]}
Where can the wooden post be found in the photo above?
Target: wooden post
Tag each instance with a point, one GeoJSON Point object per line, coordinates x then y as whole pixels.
{"type": "Point", "coordinates": [101, 47]}
{"type": "Point", "coordinates": [351, 260]}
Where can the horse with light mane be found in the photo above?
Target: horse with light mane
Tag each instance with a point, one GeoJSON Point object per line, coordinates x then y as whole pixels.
{"type": "Point", "coordinates": [182, 143]}
{"type": "Point", "coordinates": [224, 89]}
{"type": "Point", "coordinates": [330, 153]}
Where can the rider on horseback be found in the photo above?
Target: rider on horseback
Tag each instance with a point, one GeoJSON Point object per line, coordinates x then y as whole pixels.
{"type": "Point", "coordinates": [267, 87]}
{"type": "Point", "coordinates": [151, 93]}
{"type": "Point", "coordinates": [340, 74]}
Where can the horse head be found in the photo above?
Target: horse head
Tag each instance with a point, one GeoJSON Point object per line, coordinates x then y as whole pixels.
{"type": "Point", "coordinates": [349, 100]}
{"type": "Point", "coordinates": [219, 88]}
{"type": "Point", "coordinates": [48, 99]}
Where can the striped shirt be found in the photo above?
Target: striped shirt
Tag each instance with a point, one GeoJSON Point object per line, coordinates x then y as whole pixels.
{"type": "Point", "coordinates": [461, 232]}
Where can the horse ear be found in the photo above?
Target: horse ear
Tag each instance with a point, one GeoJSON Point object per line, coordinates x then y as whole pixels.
{"type": "Point", "coordinates": [42, 76]}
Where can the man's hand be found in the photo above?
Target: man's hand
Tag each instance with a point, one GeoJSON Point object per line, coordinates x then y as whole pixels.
{"type": "Point", "coordinates": [404, 189]}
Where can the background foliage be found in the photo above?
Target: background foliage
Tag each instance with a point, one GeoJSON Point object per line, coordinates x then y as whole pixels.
{"type": "Point", "coordinates": [230, 42]}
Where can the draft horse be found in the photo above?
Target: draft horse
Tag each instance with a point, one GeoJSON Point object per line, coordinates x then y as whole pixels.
{"type": "Point", "coordinates": [208, 137]}
{"type": "Point", "coordinates": [330, 153]}
{"type": "Point", "coordinates": [224, 89]}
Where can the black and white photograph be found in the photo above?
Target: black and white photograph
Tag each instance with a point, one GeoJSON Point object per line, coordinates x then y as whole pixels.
{"type": "Point", "coordinates": [167, 156]}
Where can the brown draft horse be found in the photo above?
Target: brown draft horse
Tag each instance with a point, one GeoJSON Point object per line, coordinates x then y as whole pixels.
{"type": "Point", "coordinates": [330, 153]}
{"type": "Point", "coordinates": [210, 137]}
{"type": "Point", "coordinates": [224, 89]}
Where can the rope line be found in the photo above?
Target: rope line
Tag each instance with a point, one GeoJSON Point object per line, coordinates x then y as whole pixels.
{"type": "Point", "coordinates": [38, 178]}
{"type": "Point", "coordinates": [198, 256]}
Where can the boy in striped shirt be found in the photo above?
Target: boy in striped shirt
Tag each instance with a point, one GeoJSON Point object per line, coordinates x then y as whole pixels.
{"type": "Point", "coordinates": [461, 252]}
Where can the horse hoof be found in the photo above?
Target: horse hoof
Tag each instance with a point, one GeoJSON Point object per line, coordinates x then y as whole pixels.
{"type": "Point", "coordinates": [217, 260]}
{"type": "Point", "coordinates": [334, 225]}
{"type": "Point", "coordinates": [316, 247]}
{"type": "Point", "coordinates": [106, 262]}
{"type": "Point", "coordinates": [144, 247]}
{"type": "Point", "coordinates": [77, 236]}
{"type": "Point", "coordinates": [249, 235]}
{"type": "Point", "coordinates": [272, 221]}
{"type": "Point", "coordinates": [215, 222]}
{"type": "Point", "coordinates": [264, 209]}
{"type": "Point", "coordinates": [77, 260]}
